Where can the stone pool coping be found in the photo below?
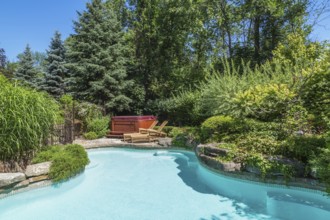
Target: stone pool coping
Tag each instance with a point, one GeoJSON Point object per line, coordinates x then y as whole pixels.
{"type": "Point", "coordinates": [111, 142]}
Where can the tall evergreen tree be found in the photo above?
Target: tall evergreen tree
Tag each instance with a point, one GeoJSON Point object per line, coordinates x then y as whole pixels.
{"type": "Point", "coordinates": [56, 71]}
{"type": "Point", "coordinates": [26, 73]}
{"type": "Point", "coordinates": [3, 58]}
{"type": "Point", "coordinates": [96, 58]}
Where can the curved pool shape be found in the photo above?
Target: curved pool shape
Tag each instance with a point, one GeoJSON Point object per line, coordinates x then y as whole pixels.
{"type": "Point", "coordinates": [150, 184]}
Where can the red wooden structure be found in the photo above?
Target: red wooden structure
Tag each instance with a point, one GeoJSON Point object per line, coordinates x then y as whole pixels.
{"type": "Point", "coordinates": [129, 124]}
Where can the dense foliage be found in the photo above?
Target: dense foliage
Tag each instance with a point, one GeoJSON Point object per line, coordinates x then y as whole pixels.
{"type": "Point", "coordinates": [97, 127]}
{"type": "Point", "coordinates": [26, 120]}
{"type": "Point", "coordinates": [67, 161]}
{"type": "Point", "coordinates": [96, 58]}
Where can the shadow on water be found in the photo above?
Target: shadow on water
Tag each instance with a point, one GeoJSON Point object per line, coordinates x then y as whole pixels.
{"type": "Point", "coordinates": [187, 164]}
{"type": "Point", "coordinates": [241, 211]}
{"type": "Point", "coordinates": [189, 177]}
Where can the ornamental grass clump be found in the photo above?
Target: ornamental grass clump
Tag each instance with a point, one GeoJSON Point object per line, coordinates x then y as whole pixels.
{"type": "Point", "coordinates": [26, 119]}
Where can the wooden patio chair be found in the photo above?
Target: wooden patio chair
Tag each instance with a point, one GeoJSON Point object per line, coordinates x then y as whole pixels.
{"type": "Point", "coordinates": [153, 132]}
{"type": "Point", "coordinates": [137, 137]}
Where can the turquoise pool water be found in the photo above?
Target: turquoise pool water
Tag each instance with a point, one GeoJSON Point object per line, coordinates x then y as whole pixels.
{"type": "Point", "coordinates": [158, 184]}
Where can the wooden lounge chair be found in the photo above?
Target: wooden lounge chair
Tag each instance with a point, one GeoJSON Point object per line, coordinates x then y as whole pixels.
{"type": "Point", "coordinates": [153, 132]}
{"type": "Point", "coordinates": [137, 137]}
{"type": "Point", "coordinates": [152, 126]}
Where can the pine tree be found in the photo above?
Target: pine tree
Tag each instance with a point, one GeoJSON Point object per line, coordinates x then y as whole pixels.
{"type": "Point", "coordinates": [3, 59]}
{"type": "Point", "coordinates": [56, 71]}
{"type": "Point", "coordinates": [26, 73]}
{"type": "Point", "coordinates": [96, 58]}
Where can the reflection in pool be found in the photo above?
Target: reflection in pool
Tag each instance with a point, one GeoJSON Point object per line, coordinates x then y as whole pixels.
{"type": "Point", "coordinates": [159, 184]}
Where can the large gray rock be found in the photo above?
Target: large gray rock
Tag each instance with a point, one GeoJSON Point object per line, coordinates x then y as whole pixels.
{"type": "Point", "coordinates": [165, 142]}
{"type": "Point", "coordinates": [37, 169]}
{"type": "Point", "coordinates": [218, 165]}
{"type": "Point", "coordinates": [7, 179]}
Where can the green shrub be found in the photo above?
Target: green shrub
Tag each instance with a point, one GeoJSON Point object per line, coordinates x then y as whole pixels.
{"type": "Point", "coordinates": [185, 137]}
{"type": "Point", "coordinates": [322, 165]}
{"type": "Point", "coordinates": [259, 161]}
{"type": "Point", "coordinates": [259, 142]}
{"type": "Point", "coordinates": [266, 128]}
{"type": "Point", "coordinates": [264, 102]}
{"type": "Point", "coordinates": [99, 126]}
{"type": "Point", "coordinates": [218, 91]}
{"type": "Point", "coordinates": [47, 154]}
{"type": "Point", "coordinates": [86, 111]}
{"type": "Point", "coordinates": [316, 92]}
{"type": "Point", "coordinates": [67, 161]}
{"type": "Point", "coordinates": [167, 129]}
{"type": "Point", "coordinates": [26, 120]}
{"type": "Point", "coordinates": [218, 127]}
{"type": "Point", "coordinates": [90, 135]}
{"type": "Point", "coordinates": [182, 109]}
{"type": "Point", "coordinates": [304, 148]}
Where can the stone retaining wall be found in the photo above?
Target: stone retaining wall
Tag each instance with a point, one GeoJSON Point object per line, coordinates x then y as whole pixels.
{"type": "Point", "coordinates": [10, 182]}
{"type": "Point", "coordinates": [209, 156]}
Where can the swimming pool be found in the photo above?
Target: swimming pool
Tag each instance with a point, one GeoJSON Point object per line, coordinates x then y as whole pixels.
{"type": "Point", "coordinates": [159, 184]}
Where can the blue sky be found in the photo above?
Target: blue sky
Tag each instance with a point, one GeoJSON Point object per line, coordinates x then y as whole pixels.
{"type": "Point", "coordinates": [34, 22]}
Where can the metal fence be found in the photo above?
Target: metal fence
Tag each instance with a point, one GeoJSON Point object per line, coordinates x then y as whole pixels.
{"type": "Point", "coordinates": [64, 133]}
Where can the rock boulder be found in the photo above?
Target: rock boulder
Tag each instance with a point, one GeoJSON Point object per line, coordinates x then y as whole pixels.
{"type": "Point", "coordinates": [7, 179]}
{"type": "Point", "coordinates": [37, 169]}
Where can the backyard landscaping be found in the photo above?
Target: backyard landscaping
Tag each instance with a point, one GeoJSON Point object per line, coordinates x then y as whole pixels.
{"type": "Point", "coordinates": [260, 107]}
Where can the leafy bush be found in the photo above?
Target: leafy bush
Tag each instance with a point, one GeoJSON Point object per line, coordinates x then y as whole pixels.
{"type": "Point", "coordinates": [47, 154]}
{"type": "Point", "coordinates": [185, 137]}
{"type": "Point", "coordinates": [258, 161]}
{"type": "Point", "coordinates": [267, 167]}
{"type": "Point", "coordinates": [90, 135]}
{"type": "Point", "coordinates": [67, 161]}
{"type": "Point", "coordinates": [264, 102]}
{"type": "Point", "coordinates": [218, 91]}
{"type": "Point", "coordinates": [273, 129]}
{"type": "Point", "coordinates": [26, 119]}
{"type": "Point", "coordinates": [166, 129]}
{"type": "Point", "coordinates": [258, 142]}
{"type": "Point", "coordinates": [226, 128]}
{"type": "Point", "coordinates": [86, 111]}
{"type": "Point", "coordinates": [316, 93]}
{"type": "Point", "coordinates": [304, 148]}
{"type": "Point", "coordinates": [322, 165]}
{"type": "Point", "coordinates": [218, 127]}
{"type": "Point", "coordinates": [181, 109]}
{"type": "Point", "coordinates": [98, 125]}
